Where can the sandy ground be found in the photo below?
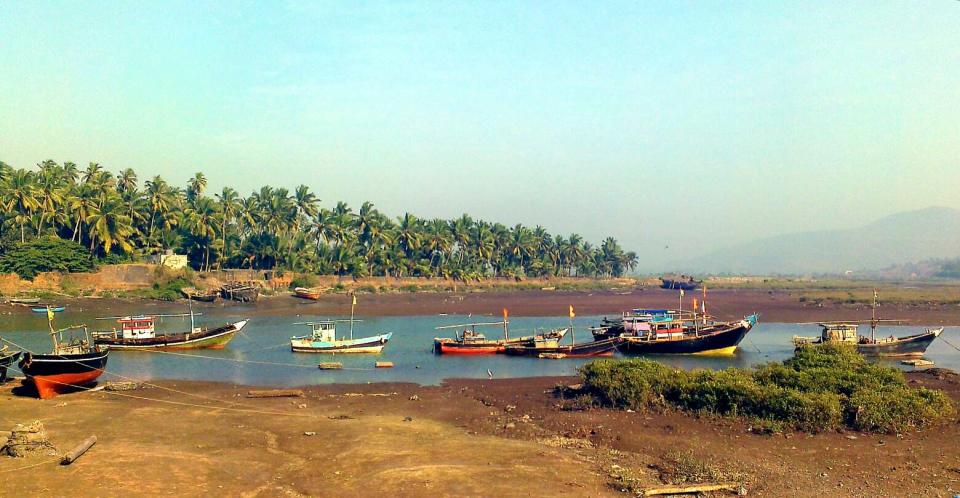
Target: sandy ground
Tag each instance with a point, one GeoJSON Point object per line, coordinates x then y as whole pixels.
{"type": "Point", "coordinates": [773, 306]}
{"type": "Point", "coordinates": [464, 438]}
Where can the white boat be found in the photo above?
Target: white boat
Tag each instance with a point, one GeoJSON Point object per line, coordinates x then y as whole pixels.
{"type": "Point", "coordinates": [323, 339]}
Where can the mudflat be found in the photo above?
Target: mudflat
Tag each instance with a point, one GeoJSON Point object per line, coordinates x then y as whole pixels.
{"type": "Point", "coordinates": [773, 306]}
{"type": "Point", "coordinates": [511, 437]}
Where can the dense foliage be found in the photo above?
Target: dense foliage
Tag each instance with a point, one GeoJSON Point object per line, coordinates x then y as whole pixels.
{"type": "Point", "coordinates": [821, 388]}
{"type": "Point", "coordinates": [949, 269]}
{"type": "Point", "coordinates": [45, 254]}
{"type": "Point", "coordinates": [273, 228]}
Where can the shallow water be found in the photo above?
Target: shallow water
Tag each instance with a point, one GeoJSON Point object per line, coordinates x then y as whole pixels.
{"type": "Point", "coordinates": [266, 340]}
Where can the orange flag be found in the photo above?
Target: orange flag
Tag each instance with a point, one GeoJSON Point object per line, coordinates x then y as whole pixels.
{"type": "Point", "coordinates": [572, 314]}
{"type": "Point", "coordinates": [505, 314]}
{"type": "Point", "coordinates": [694, 304]}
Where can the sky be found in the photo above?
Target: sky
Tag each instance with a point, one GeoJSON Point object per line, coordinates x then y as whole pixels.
{"type": "Point", "coordinates": [675, 127]}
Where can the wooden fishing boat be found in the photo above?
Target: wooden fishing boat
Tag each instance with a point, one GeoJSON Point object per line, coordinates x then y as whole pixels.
{"type": "Point", "coordinates": [25, 300]}
{"type": "Point", "coordinates": [204, 296]}
{"type": "Point", "coordinates": [712, 338]}
{"type": "Point", "coordinates": [847, 332]}
{"type": "Point", "coordinates": [312, 293]}
{"type": "Point", "coordinates": [44, 309]}
{"type": "Point", "coordinates": [240, 291]}
{"type": "Point", "coordinates": [552, 349]}
{"type": "Point", "coordinates": [139, 333]}
{"type": "Point", "coordinates": [7, 358]}
{"type": "Point", "coordinates": [471, 342]}
{"type": "Point", "coordinates": [684, 282]}
{"type": "Point", "coordinates": [323, 339]}
{"type": "Point", "coordinates": [74, 363]}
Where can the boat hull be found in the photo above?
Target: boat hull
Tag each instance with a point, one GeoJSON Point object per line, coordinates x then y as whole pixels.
{"type": "Point", "coordinates": [55, 374]}
{"type": "Point", "coordinates": [56, 309]}
{"type": "Point", "coordinates": [723, 342]}
{"type": "Point", "coordinates": [687, 285]}
{"type": "Point", "coordinates": [7, 359]}
{"type": "Point", "coordinates": [905, 347]}
{"type": "Point", "coordinates": [373, 344]}
{"type": "Point", "coordinates": [304, 293]}
{"type": "Point", "coordinates": [595, 349]}
{"type": "Point", "coordinates": [210, 339]}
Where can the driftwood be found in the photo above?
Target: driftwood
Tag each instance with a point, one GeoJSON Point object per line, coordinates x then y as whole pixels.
{"type": "Point", "coordinates": [696, 488]}
{"type": "Point", "coordinates": [75, 453]}
{"type": "Point", "coordinates": [384, 364]}
{"type": "Point", "coordinates": [276, 393]}
{"type": "Point", "coordinates": [331, 366]}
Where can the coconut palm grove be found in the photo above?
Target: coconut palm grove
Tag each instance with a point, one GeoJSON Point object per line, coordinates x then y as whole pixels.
{"type": "Point", "coordinates": [115, 218]}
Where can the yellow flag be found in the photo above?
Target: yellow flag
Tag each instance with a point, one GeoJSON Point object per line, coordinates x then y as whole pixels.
{"type": "Point", "coordinates": [572, 314]}
{"type": "Point", "coordinates": [681, 292]}
{"type": "Point", "coordinates": [694, 304]}
{"type": "Point", "coordinates": [49, 314]}
{"type": "Point", "coordinates": [354, 299]}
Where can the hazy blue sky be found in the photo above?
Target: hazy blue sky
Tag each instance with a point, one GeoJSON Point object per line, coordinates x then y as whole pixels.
{"type": "Point", "coordinates": [688, 125]}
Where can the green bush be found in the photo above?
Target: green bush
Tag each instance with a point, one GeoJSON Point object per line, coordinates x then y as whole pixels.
{"type": "Point", "coordinates": [821, 388]}
{"type": "Point", "coordinates": [46, 254]}
{"type": "Point", "coordinates": [303, 281]}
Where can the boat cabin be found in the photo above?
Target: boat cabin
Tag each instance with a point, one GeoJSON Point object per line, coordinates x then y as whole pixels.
{"type": "Point", "coordinates": [839, 332]}
{"type": "Point", "coordinates": [325, 331]}
{"type": "Point", "coordinates": [137, 327]}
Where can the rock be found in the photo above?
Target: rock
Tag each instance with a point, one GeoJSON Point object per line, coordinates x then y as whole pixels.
{"type": "Point", "coordinates": [509, 408]}
{"type": "Point", "coordinates": [26, 439]}
{"type": "Point", "coordinates": [414, 397]}
{"type": "Point", "coordinates": [525, 418]}
{"type": "Point", "coordinates": [301, 405]}
{"type": "Point", "coordinates": [408, 419]}
{"type": "Point", "coordinates": [510, 425]}
{"type": "Point", "coordinates": [309, 433]}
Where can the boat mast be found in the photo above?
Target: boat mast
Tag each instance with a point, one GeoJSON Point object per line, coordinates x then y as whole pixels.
{"type": "Point", "coordinates": [53, 333]}
{"type": "Point", "coordinates": [352, 306]}
{"type": "Point", "coordinates": [573, 333]}
{"type": "Point", "coordinates": [873, 318]}
{"type": "Point", "coordinates": [506, 333]}
{"type": "Point", "coordinates": [192, 325]}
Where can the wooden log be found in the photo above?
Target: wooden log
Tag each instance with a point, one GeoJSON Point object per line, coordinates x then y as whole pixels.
{"type": "Point", "coordinates": [384, 364]}
{"type": "Point", "coordinates": [696, 488]}
{"type": "Point", "coordinates": [75, 453]}
{"type": "Point", "coordinates": [331, 366]}
{"type": "Point", "coordinates": [276, 393]}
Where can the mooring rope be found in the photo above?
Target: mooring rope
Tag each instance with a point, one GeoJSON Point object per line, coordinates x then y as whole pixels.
{"type": "Point", "coordinates": [944, 339]}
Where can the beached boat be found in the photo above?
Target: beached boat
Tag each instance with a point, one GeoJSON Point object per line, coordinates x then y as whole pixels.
{"type": "Point", "coordinates": [139, 333]}
{"type": "Point", "coordinates": [675, 337]}
{"type": "Point", "coordinates": [323, 339]}
{"type": "Point", "coordinates": [75, 362]}
{"type": "Point", "coordinates": [204, 296]}
{"type": "Point", "coordinates": [684, 282]}
{"type": "Point", "coordinates": [471, 342]}
{"type": "Point", "coordinates": [312, 293]}
{"type": "Point", "coordinates": [7, 358]}
{"type": "Point", "coordinates": [25, 300]}
{"type": "Point", "coordinates": [239, 291]}
{"type": "Point", "coordinates": [44, 309]}
{"type": "Point", "coordinates": [846, 331]}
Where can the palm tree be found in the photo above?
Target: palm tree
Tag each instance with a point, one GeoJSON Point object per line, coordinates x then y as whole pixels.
{"type": "Point", "coordinates": [49, 193]}
{"type": "Point", "coordinates": [305, 203]}
{"type": "Point", "coordinates": [202, 221]}
{"type": "Point", "coordinates": [111, 226]}
{"type": "Point", "coordinates": [229, 205]}
{"type": "Point", "coordinates": [196, 186]}
{"type": "Point", "coordinates": [126, 180]}
{"type": "Point", "coordinates": [408, 234]}
{"type": "Point", "coordinates": [21, 198]}
{"type": "Point", "coordinates": [83, 204]}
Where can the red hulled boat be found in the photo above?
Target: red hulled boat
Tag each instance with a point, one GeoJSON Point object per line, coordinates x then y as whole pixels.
{"type": "Point", "coordinates": [74, 363]}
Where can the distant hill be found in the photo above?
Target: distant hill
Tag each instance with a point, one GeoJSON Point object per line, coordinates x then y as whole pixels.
{"type": "Point", "coordinates": [931, 233]}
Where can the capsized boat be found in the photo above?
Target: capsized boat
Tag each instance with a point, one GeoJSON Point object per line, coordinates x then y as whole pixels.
{"type": "Point", "coordinates": [7, 358]}
{"type": "Point", "coordinates": [75, 362]}
{"type": "Point", "coordinates": [139, 333]}
{"type": "Point", "coordinates": [914, 345]}
{"type": "Point", "coordinates": [683, 282]}
{"type": "Point", "coordinates": [25, 301]}
{"type": "Point", "coordinates": [244, 292]}
{"type": "Point", "coordinates": [323, 339]}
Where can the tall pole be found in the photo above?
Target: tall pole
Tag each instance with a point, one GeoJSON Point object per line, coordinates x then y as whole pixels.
{"type": "Point", "coordinates": [192, 324]}
{"type": "Point", "coordinates": [873, 318]}
{"type": "Point", "coordinates": [353, 304]}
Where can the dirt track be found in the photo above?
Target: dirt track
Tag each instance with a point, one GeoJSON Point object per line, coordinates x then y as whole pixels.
{"type": "Point", "coordinates": [464, 438]}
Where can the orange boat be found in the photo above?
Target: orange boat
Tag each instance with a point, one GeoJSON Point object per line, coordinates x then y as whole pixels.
{"type": "Point", "coordinates": [312, 293]}
{"type": "Point", "coordinates": [73, 364]}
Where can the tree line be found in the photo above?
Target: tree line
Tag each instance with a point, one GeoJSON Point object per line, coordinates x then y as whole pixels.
{"type": "Point", "coordinates": [117, 219]}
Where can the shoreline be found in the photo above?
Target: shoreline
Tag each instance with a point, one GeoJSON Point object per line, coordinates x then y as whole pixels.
{"type": "Point", "coordinates": [403, 439]}
{"type": "Point", "coordinates": [725, 304]}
